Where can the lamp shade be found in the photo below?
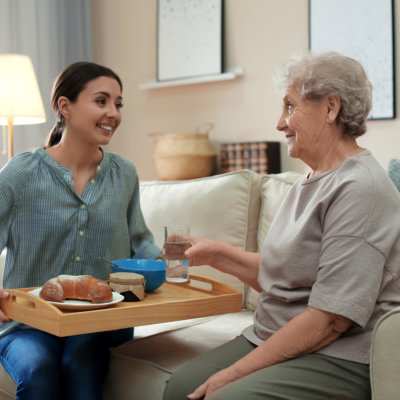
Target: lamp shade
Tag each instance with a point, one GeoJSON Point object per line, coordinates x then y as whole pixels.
{"type": "Point", "coordinates": [20, 99]}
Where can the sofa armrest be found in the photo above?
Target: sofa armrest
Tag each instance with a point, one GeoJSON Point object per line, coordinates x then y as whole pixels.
{"type": "Point", "coordinates": [385, 357]}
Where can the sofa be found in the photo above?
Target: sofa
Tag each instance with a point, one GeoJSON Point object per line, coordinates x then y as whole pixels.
{"type": "Point", "coordinates": [236, 208]}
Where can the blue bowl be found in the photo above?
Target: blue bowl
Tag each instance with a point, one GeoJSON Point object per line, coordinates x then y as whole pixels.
{"type": "Point", "coordinates": [152, 270]}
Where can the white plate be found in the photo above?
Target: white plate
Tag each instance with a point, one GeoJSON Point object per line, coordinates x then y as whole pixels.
{"type": "Point", "coordinates": [80, 305]}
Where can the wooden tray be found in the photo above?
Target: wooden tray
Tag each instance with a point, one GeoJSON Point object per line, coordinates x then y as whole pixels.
{"type": "Point", "coordinates": [200, 297]}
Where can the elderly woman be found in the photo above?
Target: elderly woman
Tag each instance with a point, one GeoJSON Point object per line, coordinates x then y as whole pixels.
{"type": "Point", "coordinates": [330, 264]}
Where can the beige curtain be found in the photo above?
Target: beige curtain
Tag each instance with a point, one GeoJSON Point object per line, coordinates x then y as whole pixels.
{"type": "Point", "coordinates": [54, 33]}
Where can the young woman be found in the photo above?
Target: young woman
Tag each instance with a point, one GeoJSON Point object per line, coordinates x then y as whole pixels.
{"type": "Point", "coordinates": [63, 206]}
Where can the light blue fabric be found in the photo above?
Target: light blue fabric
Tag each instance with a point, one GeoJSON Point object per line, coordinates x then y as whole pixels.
{"type": "Point", "coordinates": [393, 171]}
{"type": "Point", "coordinates": [49, 230]}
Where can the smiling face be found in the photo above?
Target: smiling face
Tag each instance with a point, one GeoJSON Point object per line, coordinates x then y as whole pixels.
{"type": "Point", "coordinates": [306, 125]}
{"type": "Point", "coordinates": [96, 114]}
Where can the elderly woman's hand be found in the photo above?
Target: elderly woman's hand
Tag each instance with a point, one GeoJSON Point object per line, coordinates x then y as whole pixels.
{"type": "Point", "coordinates": [213, 383]}
{"type": "Point", "coordinates": [226, 258]}
{"type": "Point", "coordinates": [202, 251]}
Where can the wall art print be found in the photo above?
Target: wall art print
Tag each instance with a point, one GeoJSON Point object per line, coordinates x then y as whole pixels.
{"type": "Point", "coordinates": [189, 38]}
{"type": "Point", "coordinates": [364, 30]}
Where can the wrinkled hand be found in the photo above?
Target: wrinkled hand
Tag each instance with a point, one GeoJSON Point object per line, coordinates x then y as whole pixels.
{"type": "Point", "coordinates": [202, 251]}
{"type": "Point", "coordinates": [212, 384]}
{"type": "Point", "coordinates": [174, 238]}
{"type": "Point", "coordinates": [3, 317]}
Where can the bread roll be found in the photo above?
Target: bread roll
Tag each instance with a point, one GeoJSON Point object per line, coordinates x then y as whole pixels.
{"type": "Point", "coordinates": [81, 287]}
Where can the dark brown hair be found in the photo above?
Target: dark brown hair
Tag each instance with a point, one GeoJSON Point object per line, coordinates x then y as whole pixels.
{"type": "Point", "coordinates": [69, 83]}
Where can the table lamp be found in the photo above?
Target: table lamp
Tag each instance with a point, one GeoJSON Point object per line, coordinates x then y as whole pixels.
{"type": "Point", "coordinates": [20, 100]}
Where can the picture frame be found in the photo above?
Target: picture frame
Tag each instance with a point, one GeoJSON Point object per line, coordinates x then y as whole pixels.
{"type": "Point", "coordinates": [189, 38]}
{"type": "Point", "coordinates": [363, 30]}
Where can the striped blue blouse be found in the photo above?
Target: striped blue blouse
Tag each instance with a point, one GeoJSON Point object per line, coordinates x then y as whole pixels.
{"type": "Point", "coordinates": [49, 229]}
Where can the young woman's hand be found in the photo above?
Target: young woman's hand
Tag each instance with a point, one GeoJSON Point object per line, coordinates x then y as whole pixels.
{"type": "Point", "coordinates": [4, 295]}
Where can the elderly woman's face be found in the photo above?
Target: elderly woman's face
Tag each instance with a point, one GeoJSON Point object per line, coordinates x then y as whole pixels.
{"type": "Point", "coordinates": [304, 123]}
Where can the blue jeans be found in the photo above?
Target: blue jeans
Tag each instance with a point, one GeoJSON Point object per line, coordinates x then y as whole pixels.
{"type": "Point", "coordinates": [49, 367]}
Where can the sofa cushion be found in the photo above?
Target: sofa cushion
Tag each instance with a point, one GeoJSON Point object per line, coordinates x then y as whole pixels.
{"type": "Point", "coordinates": [7, 385]}
{"type": "Point", "coordinates": [222, 207]}
{"type": "Point", "coordinates": [142, 366]}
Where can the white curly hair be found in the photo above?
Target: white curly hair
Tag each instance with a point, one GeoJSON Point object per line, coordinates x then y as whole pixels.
{"type": "Point", "coordinates": [319, 75]}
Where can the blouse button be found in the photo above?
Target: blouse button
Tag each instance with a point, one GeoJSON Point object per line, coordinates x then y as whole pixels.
{"type": "Point", "coordinates": [77, 258]}
{"type": "Point", "coordinates": [81, 233]}
{"type": "Point", "coordinates": [83, 206]}
{"type": "Point", "coordinates": [92, 180]}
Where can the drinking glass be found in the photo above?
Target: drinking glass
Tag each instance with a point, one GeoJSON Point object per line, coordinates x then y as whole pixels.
{"type": "Point", "coordinates": [177, 241]}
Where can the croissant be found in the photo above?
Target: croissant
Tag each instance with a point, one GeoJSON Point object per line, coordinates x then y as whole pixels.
{"type": "Point", "coordinates": [81, 287]}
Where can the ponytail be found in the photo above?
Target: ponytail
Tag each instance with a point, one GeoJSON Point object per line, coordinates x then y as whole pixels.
{"type": "Point", "coordinates": [56, 132]}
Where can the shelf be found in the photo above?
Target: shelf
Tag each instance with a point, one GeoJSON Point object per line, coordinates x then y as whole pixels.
{"type": "Point", "coordinates": [227, 75]}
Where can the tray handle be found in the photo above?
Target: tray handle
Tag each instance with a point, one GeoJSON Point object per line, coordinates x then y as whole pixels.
{"type": "Point", "coordinates": [21, 303]}
{"type": "Point", "coordinates": [209, 285]}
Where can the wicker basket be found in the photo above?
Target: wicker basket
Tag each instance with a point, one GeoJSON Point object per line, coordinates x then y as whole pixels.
{"type": "Point", "coordinates": [179, 167]}
{"type": "Point", "coordinates": [183, 156]}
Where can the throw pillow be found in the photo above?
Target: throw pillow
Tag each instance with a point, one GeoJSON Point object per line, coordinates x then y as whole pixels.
{"type": "Point", "coordinates": [393, 171]}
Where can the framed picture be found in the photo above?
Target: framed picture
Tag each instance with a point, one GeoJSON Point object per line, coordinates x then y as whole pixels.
{"type": "Point", "coordinates": [189, 38]}
{"type": "Point", "coordinates": [364, 30]}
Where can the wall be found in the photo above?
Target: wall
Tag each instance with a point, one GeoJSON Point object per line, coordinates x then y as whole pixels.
{"type": "Point", "coordinates": [259, 35]}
